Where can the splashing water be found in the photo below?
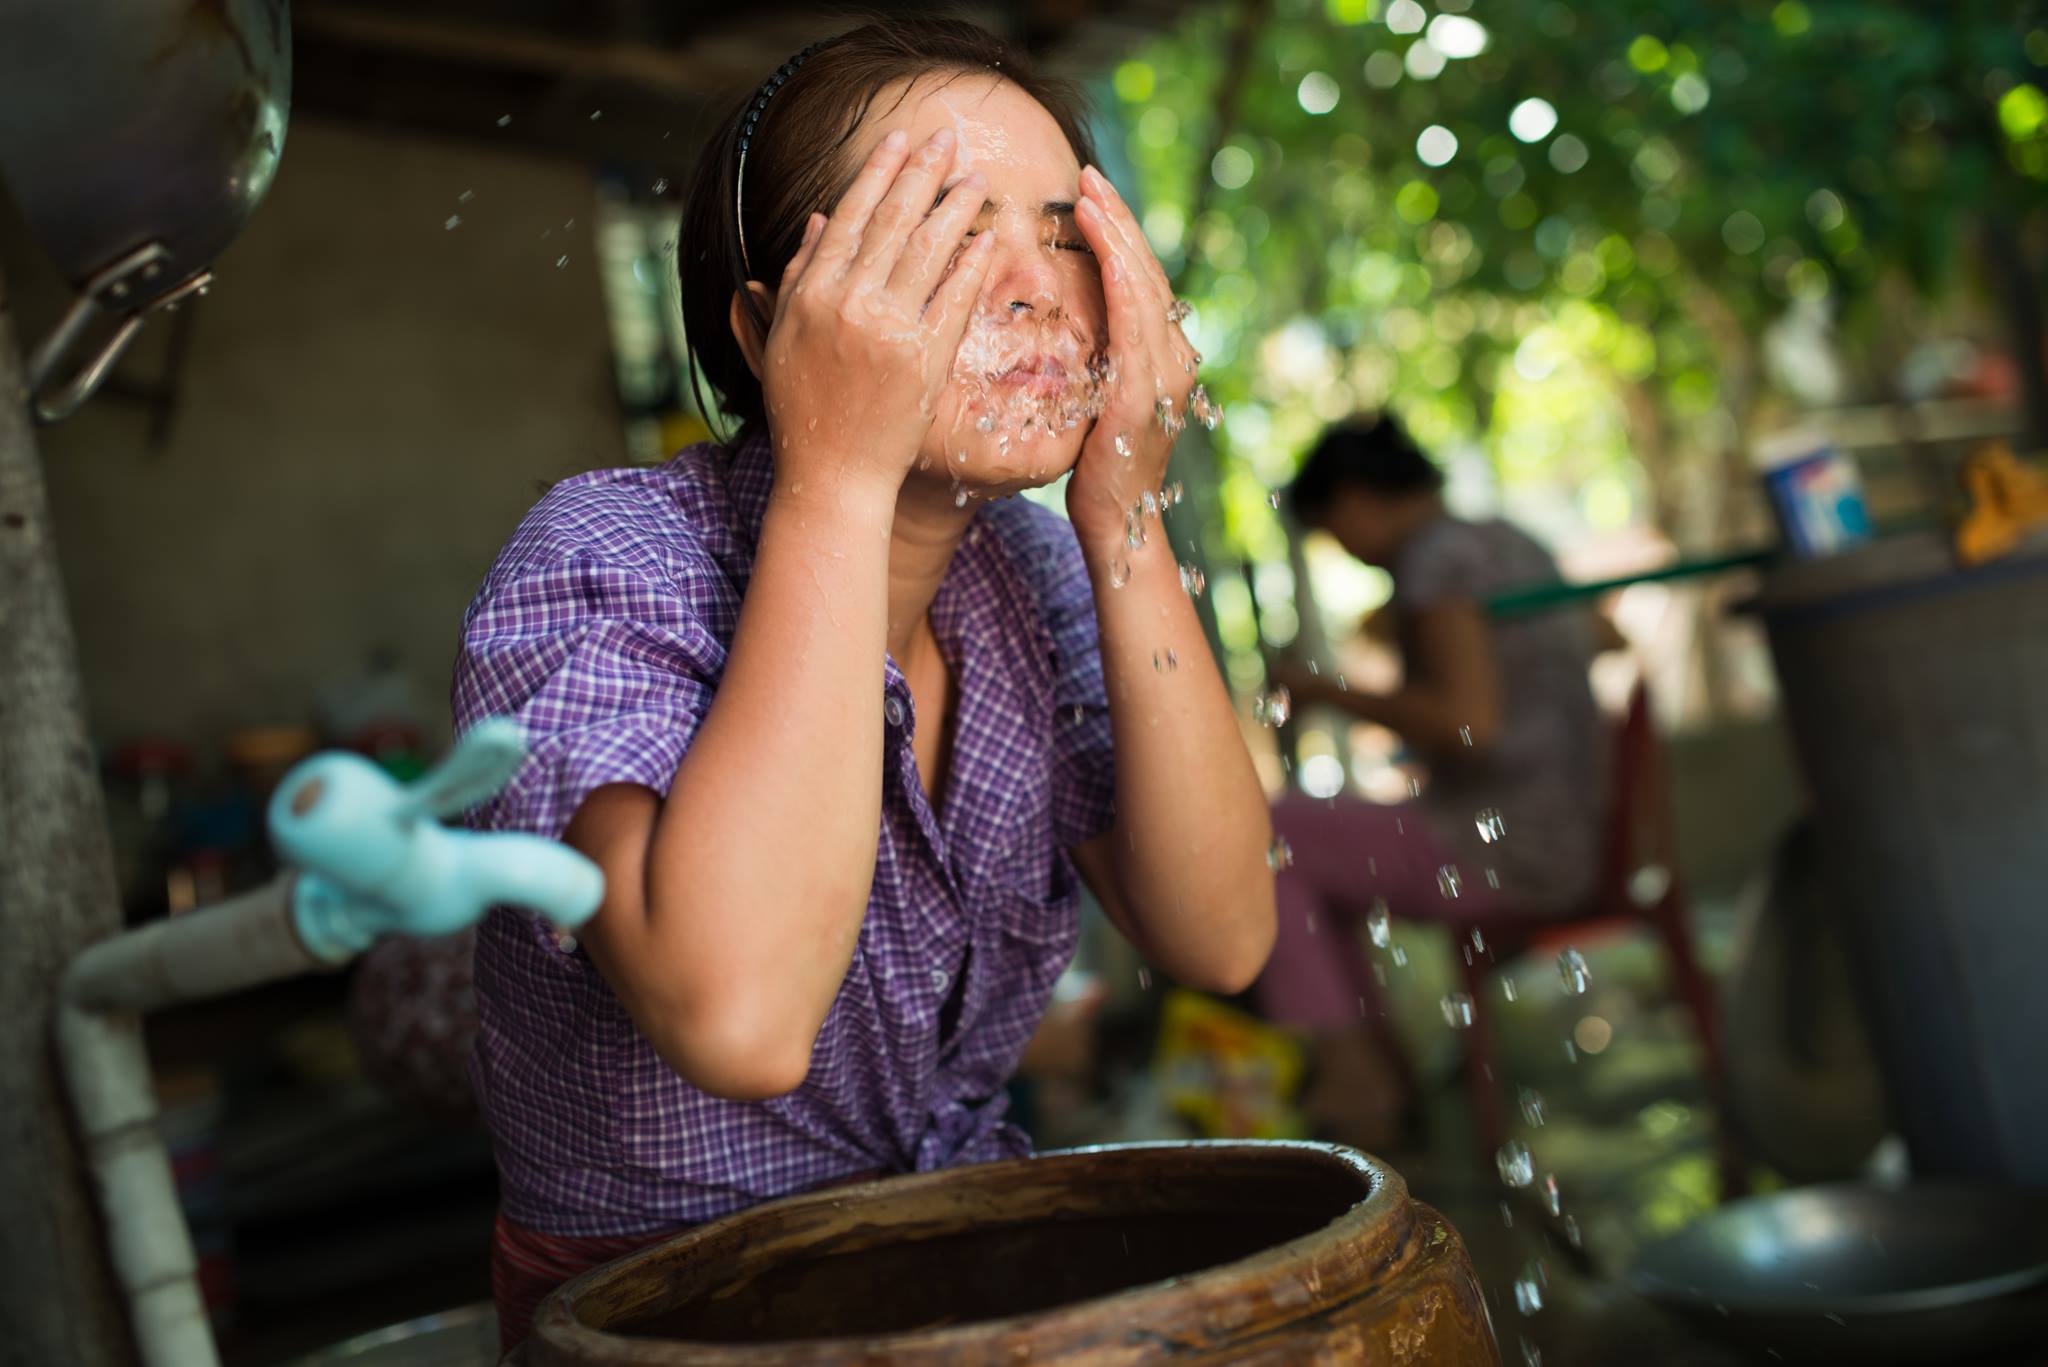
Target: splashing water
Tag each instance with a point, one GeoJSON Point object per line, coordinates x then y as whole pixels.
{"type": "Point", "coordinates": [1448, 882]}
{"type": "Point", "coordinates": [1491, 828]}
{"type": "Point", "coordinates": [1273, 500]}
{"type": "Point", "coordinates": [661, 186]}
{"type": "Point", "coordinates": [1517, 1165]}
{"type": "Point", "coordinates": [1532, 1356]}
{"type": "Point", "coordinates": [1532, 1107]}
{"type": "Point", "coordinates": [1192, 581]}
{"type": "Point", "coordinates": [1553, 1200]}
{"type": "Point", "coordinates": [1379, 924]}
{"type": "Point", "coordinates": [1281, 856]}
{"type": "Point", "coordinates": [1123, 445]}
{"type": "Point", "coordinates": [1179, 311]}
{"type": "Point", "coordinates": [1273, 709]}
{"type": "Point", "coordinates": [1148, 503]}
{"type": "Point", "coordinates": [1572, 971]}
{"type": "Point", "coordinates": [1507, 987]}
{"type": "Point", "coordinates": [1172, 494]}
{"type": "Point", "coordinates": [1457, 1008]}
{"type": "Point", "coordinates": [1206, 410]}
{"type": "Point", "coordinates": [1399, 956]}
{"type": "Point", "coordinates": [1170, 422]}
{"type": "Point", "coordinates": [1530, 1286]}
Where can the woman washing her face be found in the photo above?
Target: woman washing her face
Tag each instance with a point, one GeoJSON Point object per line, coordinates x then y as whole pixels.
{"type": "Point", "coordinates": [841, 723]}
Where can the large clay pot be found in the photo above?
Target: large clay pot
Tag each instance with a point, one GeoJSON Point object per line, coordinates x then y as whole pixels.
{"type": "Point", "coordinates": [1149, 1253]}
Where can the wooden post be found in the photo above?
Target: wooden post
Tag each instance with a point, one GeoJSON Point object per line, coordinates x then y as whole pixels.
{"type": "Point", "coordinates": [58, 1302]}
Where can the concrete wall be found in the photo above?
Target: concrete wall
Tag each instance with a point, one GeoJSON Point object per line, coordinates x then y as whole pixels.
{"type": "Point", "coordinates": [370, 402]}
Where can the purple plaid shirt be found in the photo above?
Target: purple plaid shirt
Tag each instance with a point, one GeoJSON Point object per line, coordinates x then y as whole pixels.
{"type": "Point", "coordinates": [603, 627]}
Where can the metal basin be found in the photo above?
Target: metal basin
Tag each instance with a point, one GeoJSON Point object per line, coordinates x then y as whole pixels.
{"type": "Point", "coordinates": [1940, 1271]}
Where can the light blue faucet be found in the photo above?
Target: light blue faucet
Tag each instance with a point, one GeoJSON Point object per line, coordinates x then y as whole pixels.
{"type": "Point", "coordinates": [369, 857]}
{"type": "Point", "coordinates": [374, 858]}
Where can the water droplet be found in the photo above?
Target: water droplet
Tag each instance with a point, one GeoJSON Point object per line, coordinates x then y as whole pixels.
{"type": "Point", "coordinates": [1123, 445]}
{"type": "Point", "coordinates": [1399, 956]}
{"type": "Point", "coordinates": [1531, 1102]}
{"type": "Point", "coordinates": [1077, 714]}
{"type": "Point", "coordinates": [1493, 879]}
{"type": "Point", "coordinates": [1448, 881]}
{"type": "Point", "coordinates": [1119, 572]}
{"type": "Point", "coordinates": [985, 423]}
{"type": "Point", "coordinates": [1273, 499]}
{"type": "Point", "coordinates": [453, 222]}
{"type": "Point", "coordinates": [1457, 1008]}
{"type": "Point", "coordinates": [1169, 421]}
{"type": "Point", "coordinates": [596, 114]}
{"type": "Point", "coordinates": [1192, 580]}
{"type": "Point", "coordinates": [1491, 827]}
{"type": "Point", "coordinates": [504, 120]}
{"type": "Point", "coordinates": [1507, 1215]}
{"type": "Point", "coordinates": [1507, 987]}
{"type": "Point", "coordinates": [561, 261]}
{"type": "Point", "coordinates": [1530, 1286]}
{"type": "Point", "coordinates": [661, 186]}
{"type": "Point", "coordinates": [1205, 409]}
{"type": "Point", "coordinates": [960, 498]}
{"type": "Point", "coordinates": [1572, 971]}
{"type": "Point", "coordinates": [1179, 311]}
{"type": "Point", "coordinates": [960, 456]}
{"type": "Point", "coordinates": [465, 197]}
{"type": "Point", "coordinates": [1273, 709]}
{"type": "Point", "coordinates": [1553, 1200]}
{"type": "Point", "coordinates": [1134, 536]}
{"type": "Point", "coordinates": [1465, 735]}
{"type": "Point", "coordinates": [1571, 1232]}
{"type": "Point", "coordinates": [1379, 924]}
{"type": "Point", "coordinates": [1532, 1356]}
{"type": "Point", "coordinates": [1144, 978]}
{"type": "Point", "coordinates": [1478, 940]}
{"type": "Point", "coordinates": [1517, 1165]}
{"type": "Point", "coordinates": [1148, 502]}
{"type": "Point", "coordinates": [1281, 856]}
{"type": "Point", "coordinates": [1167, 664]}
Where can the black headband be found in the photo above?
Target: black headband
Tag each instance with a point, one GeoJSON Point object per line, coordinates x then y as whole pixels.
{"type": "Point", "coordinates": [755, 108]}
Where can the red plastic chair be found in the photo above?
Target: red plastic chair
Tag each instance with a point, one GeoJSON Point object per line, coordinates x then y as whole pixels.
{"type": "Point", "coordinates": [1638, 885]}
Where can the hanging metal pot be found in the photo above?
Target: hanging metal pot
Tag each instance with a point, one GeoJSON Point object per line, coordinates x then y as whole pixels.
{"type": "Point", "coordinates": [136, 137]}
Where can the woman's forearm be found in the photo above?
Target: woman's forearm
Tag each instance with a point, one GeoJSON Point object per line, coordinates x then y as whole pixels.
{"type": "Point", "coordinates": [1192, 829]}
{"type": "Point", "coordinates": [764, 851]}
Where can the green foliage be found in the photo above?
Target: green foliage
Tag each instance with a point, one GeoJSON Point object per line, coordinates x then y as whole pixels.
{"type": "Point", "coordinates": [1557, 229]}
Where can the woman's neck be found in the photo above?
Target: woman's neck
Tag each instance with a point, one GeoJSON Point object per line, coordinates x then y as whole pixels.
{"type": "Point", "coordinates": [922, 540]}
{"type": "Point", "coordinates": [1416, 514]}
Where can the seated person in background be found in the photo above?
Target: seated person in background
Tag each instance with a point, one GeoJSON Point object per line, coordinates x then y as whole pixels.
{"type": "Point", "coordinates": [1503, 715]}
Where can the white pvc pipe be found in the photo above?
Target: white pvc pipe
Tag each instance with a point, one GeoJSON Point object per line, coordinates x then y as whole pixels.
{"type": "Point", "coordinates": [202, 954]}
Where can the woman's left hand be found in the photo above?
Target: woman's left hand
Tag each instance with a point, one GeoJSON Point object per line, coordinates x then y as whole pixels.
{"type": "Point", "coordinates": [1154, 385]}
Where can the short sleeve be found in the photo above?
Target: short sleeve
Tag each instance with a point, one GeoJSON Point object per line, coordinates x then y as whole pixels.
{"type": "Point", "coordinates": [1449, 561]}
{"type": "Point", "coordinates": [608, 671]}
{"type": "Point", "coordinates": [1084, 754]}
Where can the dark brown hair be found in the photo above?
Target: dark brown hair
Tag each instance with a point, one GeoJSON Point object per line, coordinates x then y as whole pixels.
{"type": "Point", "coordinates": [798, 163]}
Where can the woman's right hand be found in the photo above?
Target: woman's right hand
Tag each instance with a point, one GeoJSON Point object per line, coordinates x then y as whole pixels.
{"type": "Point", "coordinates": [868, 317]}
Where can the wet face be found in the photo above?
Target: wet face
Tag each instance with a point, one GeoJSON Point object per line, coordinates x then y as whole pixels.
{"type": "Point", "coordinates": [1028, 378]}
